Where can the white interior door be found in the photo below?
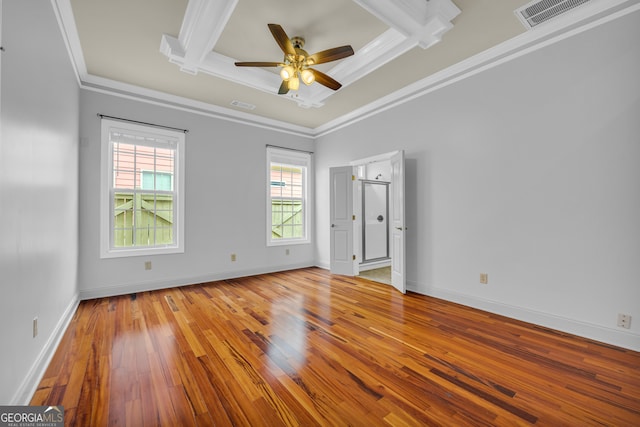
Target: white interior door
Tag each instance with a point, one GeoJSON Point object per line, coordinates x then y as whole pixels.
{"type": "Point", "coordinates": [398, 228]}
{"type": "Point", "coordinates": [341, 220]}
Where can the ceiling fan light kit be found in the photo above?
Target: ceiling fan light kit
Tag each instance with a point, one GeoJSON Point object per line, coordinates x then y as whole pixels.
{"type": "Point", "coordinates": [296, 67]}
{"type": "Point", "coordinates": [293, 83]}
{"type": "Point", "coordinates": [297, 62]}
{"type": "Point", "coordinates": [307, 77]}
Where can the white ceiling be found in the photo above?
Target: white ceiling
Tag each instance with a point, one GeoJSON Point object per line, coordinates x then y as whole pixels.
{"type": "Point", "coordinates": [182, 51]}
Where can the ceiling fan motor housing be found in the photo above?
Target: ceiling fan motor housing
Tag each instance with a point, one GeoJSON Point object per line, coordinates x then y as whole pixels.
{"type": "Point", "coordinates": [297, 42]}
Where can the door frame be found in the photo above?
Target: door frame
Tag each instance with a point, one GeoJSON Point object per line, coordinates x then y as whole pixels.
{"type": "Point", "coordinates": [355, 200]}
{"type": "Point", "coordinates": [384, 157]}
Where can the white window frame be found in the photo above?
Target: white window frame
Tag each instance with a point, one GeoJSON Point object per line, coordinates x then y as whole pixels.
{"type": "Point", "coordinates": [297, 158]}
{"type": "Point", "coordinates": [107, 250]}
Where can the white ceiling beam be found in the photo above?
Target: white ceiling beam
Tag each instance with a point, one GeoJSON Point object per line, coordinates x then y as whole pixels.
{"type": "Point", "coordinates": [413, 23]}
{"type": "Point", "coordinates": [204, 21]}
{"type": "Point", "coordinates": [419, 20]}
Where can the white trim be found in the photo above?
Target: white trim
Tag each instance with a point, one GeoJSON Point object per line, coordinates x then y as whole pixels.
{"type": "Point", "coordinates": [546, 34]}
{"type": "Point", "coordinates": [153, 97]}
{"type": "Point", "coordinates": [298, 158]}
{"type": "Point", "coordinates": [152, 285]}
{"type": "Point", "coordinates": [592, 331]}
{"type": "Point", "coordinates": [29, 385]}
{"type": "Point", "coordinates": [374, 159]}
{"type": "Point", "coordinates": [412, 22]}
{"type": "Point", "coordinates": [64, 15]}
{"type": "Point", "coordinates": [543, 35]}
{"type": "Point", "coordinates": [424, 23]}
{"type": "Point", "coordinates": [106, 208]}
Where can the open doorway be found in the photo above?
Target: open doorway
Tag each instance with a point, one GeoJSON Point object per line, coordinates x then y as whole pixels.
{"type": "Point", "coordinates": [367, 238]}
{"type": "Point", "coordinates": [371, 207]}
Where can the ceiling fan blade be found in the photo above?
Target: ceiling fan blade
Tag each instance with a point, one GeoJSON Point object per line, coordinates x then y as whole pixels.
{"type": "Point", "coordinates": [331, 54]}
{"type": "Point", "coordinates": [325, 80]}
{"type": "Point", "coordinates": [282, 38]}
{"type": "Point", "coordinates": [258, 64]}
{"type": "Point", "coordinates": [284, 88]}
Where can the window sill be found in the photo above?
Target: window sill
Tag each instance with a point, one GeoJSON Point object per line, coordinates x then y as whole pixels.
{"type": "Point", "coordinates": [126, 253]}
{"type": "Point", "coordinates": [289, 242]}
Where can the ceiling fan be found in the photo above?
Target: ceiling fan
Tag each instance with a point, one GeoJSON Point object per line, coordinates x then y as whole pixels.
{"type": "Point", "coordinates": [297, 62]}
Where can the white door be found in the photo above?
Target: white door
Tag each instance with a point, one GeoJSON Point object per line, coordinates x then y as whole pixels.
{"type": "Point", "coordinates": [341, 220]}
{"type": "Point", "coordinates": [398, 228]}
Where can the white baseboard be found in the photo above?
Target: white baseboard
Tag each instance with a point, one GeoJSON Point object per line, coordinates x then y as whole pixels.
{"type": "Point", "coordinates": [323, 265]}
{"type": "Point", "coordinates": [596, 332]}
{"type": "Point", "coordinates": [152, 285]}
{"type": "Point", "coordinates": [603, 334]}
{"type": "Point", "coordinates": [25, 392]}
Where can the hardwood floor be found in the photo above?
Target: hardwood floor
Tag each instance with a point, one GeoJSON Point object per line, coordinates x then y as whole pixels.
{"type": "Point", "coordinates": [307, 348]}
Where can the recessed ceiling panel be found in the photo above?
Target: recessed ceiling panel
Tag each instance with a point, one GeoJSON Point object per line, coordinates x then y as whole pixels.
{"type": "Point", "coordinates": [323, 24]}
{"type": "Point", "coordinates": [120, 41]}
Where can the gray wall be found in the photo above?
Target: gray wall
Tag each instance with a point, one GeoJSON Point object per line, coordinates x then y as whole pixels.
{"type": "Point", "coordinates": [225, 202]}
{"type": "Point", "coordinates": [38, 193]}
{"type": "Point", "coordinates": [528, 172]}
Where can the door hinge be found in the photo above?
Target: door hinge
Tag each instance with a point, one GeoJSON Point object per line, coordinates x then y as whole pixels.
{"type": "Point", "coordinates": [354, 217]}
{"type": "Point", "coordinates": [354, 257]}
{"type": "Point", "coordinates": [353, 177]}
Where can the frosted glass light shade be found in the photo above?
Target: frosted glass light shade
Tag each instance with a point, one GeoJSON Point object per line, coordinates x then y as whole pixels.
{"type": "Point", "coordinates": [294, 83]}
{"type": "Point", "coordinates": [287, 72]}
{"type": "Point", "coordinates": [307, 77]}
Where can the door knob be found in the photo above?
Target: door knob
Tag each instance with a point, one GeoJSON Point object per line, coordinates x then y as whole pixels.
{"type": "Point", "coordinates": [399, 228]}
{"type": "Point", "coordinates": [333, 225]}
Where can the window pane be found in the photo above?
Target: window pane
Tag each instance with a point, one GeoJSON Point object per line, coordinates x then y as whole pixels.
{"type": "Point", "coordinates": [164, 235]}
{"type": "Point", "coordinates": [144, 236]}
{"type": "Point", "coordinates": [297, 231]}
{"type": "Point", "coordinates": [148, 180]}
{"type": "Point", "coordinates": [138, 216]}
{"type": "Point", "coordinates": [122, 237]}
{"type": "Point", "coordinates": [144, 161]}
{"type": "Point", "coordinates": [163, 181]}
{"type": "Point", "coordinates": [122, 219]}
{"type": "Point", "coordinates": [123, 165]}
{"type": "Point", "coordinates": [287, 192]}
{"type": "Point", "coordinates": [140, 186]}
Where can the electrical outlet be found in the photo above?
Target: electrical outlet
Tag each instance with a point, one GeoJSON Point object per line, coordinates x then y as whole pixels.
{"type": "Point", "coordinates": [35, 327]}
{"type": "Point", "coordinates": [233, 257]}
{"type": "Point", "coordinates": [624, 320]}
{"type": "Point", "coordinates": [484, 278]}
{"type": "Point", "coordinates": [147, 265]}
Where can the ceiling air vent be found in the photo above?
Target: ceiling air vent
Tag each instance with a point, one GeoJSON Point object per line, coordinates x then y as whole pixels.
{"type": "Point", "coordinates": [244, 105]}
{"type": "Point", "coordinates": [539, 11]}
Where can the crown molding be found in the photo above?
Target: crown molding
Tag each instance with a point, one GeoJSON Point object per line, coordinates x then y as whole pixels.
{"type": "Point", "coordinates": [64, 15]}
{"type": "Point", "coordinates": [568, 25]}
{"type": "Point", "coordinates": [162, 99]}
{"type": "Point", "coordinates": [548, 33]}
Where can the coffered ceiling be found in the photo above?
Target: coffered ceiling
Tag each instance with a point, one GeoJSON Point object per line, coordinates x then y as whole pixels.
{"type": "Point", "coordinates": [182, 51]}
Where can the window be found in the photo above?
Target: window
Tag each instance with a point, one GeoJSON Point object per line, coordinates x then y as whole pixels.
{"type": "Point", "coordinates": [142, 207]}
{"type": "Point", "coordinates": [287, 196]}
{"type": "Point", "coordinates": [157, 180]}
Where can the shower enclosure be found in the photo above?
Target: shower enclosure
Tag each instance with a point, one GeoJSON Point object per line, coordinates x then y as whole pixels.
{"type": "Point", "coordinates": [375, 225]}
